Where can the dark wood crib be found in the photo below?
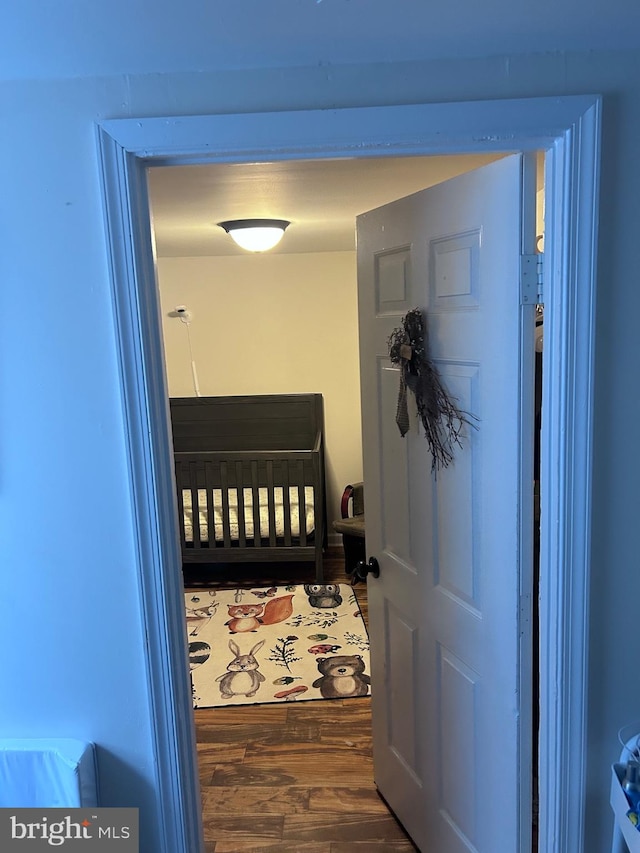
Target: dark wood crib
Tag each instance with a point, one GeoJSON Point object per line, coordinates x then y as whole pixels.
{"type": "Point", "coordinates": [250, 478]}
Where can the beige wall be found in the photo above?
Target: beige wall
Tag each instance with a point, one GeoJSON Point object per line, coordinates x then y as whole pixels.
{"type": "Point", "coordinates": [272, 324]}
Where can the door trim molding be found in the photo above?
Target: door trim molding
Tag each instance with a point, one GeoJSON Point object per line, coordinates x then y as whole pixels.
{"type": "Point", "coordinates": [568, 129]}
{"type": "Point", "coordinates": [571, 197]}
{"type": "Point", "coordinates": [153, 496]}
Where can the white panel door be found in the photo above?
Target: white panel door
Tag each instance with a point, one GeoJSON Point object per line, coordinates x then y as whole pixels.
{"type": "Point", "coordinates": [445, 611]}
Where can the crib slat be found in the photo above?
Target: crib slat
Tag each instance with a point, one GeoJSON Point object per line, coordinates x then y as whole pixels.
{"type": "Point", "coordinates": [286, 501]}
{"type": "Point", "coordinates": [242, 531]}
{"type": "Point", "coordinates": [271, 505]}
{"type": "Point", "coordinates": [302, 509]}
{"type": "Point", "coordinates": [179, 479]}
{"type": "Point", "coordinates": [257, 540]}
{"type": "Point", "coordinates": [224, 483]}
{"type": "Point", "coordinates": [195, 506]}
{"type": "Point", "coordinates": [208, 541]}
{"type": "Point", "coordinates": [209, 480]}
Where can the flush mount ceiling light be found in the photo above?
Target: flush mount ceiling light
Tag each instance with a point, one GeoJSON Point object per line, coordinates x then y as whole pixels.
{"type": "Point", "coordinates": [255, 235]}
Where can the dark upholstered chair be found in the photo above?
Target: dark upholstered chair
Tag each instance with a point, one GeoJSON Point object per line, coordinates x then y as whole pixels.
{"type": "Point", "coordinates": [351, 525]}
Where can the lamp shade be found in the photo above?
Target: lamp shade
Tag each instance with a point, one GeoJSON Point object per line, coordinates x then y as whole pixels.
{"type": "Point", "coordinates": [255, 235]}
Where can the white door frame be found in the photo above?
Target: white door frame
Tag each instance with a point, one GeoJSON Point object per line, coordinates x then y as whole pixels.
{"type": "Point", "coordinates": [568, 129]}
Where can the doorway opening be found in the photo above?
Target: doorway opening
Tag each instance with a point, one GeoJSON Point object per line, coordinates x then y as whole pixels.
{"type": "Point", "coordinates": [290, 293]}
{"type": "Point", "coordinates": [568, 129]}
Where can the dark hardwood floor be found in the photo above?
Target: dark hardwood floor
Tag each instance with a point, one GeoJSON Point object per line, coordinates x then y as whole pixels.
{"type": "Point", "coordinates": [294, 777]}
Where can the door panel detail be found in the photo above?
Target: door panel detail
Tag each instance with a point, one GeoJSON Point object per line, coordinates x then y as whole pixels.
{"type": "Point", "coordinates": [403, 650]}
{"type": "Point", "coordinates": [392, 281]}
{"type": "Point", "coordinates": [458, 708]}
{"type": "Point", "coordinates": [454, 267]}
{"type": "Point", "coordinates": [457, 540]}
{"type": "Point", "coordinates": [394, 468]}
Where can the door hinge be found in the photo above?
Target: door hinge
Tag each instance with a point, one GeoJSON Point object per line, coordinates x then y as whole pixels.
{"type": "Point", "coordinates": [531, 279]}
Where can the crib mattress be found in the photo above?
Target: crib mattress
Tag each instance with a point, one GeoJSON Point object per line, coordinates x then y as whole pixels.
{"type": "Point", "coordinates": [294, 513]}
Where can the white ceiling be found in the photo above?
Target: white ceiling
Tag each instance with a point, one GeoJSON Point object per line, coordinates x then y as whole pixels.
{"type": "Point", "coordinates": [321, 199]}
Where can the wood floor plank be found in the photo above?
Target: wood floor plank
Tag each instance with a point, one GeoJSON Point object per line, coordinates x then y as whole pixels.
{"type": "Point", "coordinates": [272, 714]}
{"type": "Point", "coordinates": [261, 734]}
{"type": "Point", "coordinates": [329, 711]}
{"type": "Point", "coordinates": [298, 774]}
{"type": "Point", "coordinates": [225, 846]}
{"type": "Point", "coordinates": [404, 846]}
{"type": "Point", "coordinates": [214, 753]}
{"type": "Point", "coordinates": [347, 827]}
{"type": "Point", "coordinates": [230, 776]}
{"type": "Point", "coordinates": [249, 827]}
{"type": "Point", "coordinates": [341, 750]}
{"type": "Point", "coordinates": [357, 800]}
{"type": "Point", "coordinates": [210, 756]}
{"type": "Point", "coordinates": [205, 775]}
{"type": "Point", "coordinates": [255, 798]}
{"type": "Point", "coordinates": [305, 763]}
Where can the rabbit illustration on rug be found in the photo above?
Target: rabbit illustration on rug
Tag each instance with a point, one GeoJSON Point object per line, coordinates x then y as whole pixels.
{"type": "Point", "coordinates": [242, 677]}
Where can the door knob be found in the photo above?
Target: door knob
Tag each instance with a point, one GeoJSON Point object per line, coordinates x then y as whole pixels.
{"type": "Point", "coordinates": [360, 571]}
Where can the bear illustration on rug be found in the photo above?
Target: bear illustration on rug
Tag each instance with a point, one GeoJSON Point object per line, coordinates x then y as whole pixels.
{"type": "Point", "coordinates": [342, 677]}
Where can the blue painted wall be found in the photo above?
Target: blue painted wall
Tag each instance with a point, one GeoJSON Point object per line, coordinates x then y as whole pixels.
{"type": "Point", "coordinates": [71, 639]}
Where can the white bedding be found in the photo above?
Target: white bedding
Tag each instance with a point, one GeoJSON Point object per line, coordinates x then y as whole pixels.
{"type": "Point", "coordinates": [248, 512]}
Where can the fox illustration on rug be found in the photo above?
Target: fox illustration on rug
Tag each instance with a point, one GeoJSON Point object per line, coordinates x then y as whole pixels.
{"type": "Point", "coordinates": [249, 617]}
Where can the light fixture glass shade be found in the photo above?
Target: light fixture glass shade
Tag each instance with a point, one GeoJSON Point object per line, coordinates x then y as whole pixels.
{"type": "Point", "coordinates": [255, 235]}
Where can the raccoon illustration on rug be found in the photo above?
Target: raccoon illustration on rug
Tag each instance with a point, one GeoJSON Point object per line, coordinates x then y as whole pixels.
{"type": "Point", "coordinates": [342, 677]}
{"type": "Point", "coordinates": [249, 617]}
{"type": "Point", "coordinates": [198, 654]}
{"type": "Point", "coordinates": [243, 677]}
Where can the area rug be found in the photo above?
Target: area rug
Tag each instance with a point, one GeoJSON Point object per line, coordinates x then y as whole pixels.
{"type": "Point", "coordinates": [278, 644]}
